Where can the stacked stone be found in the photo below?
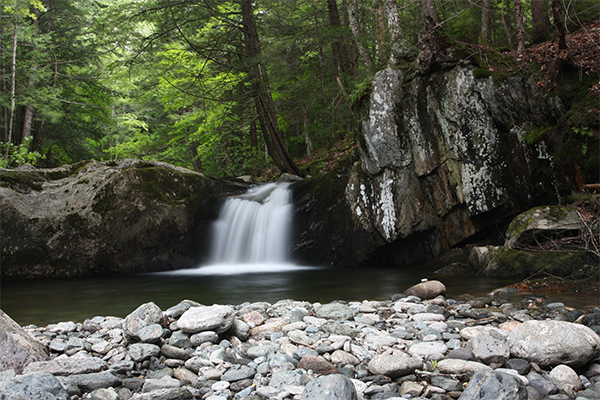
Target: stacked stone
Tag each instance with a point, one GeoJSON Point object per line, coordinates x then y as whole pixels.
{"type": "Point", "coordinates": [418, 347]}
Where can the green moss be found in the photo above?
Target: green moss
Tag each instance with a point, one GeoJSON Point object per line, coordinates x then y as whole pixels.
{"type": "Point", "coordinates": [105, 204]}
{"type": "Point", "coordinates": [510, 262]}
{"type": "Point", "coordinates": [536, 134]}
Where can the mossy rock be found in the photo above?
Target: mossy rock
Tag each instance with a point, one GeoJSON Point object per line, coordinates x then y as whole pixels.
{"type": "Point", "coordinates": [541, 224]}
{"type": "Point", "coordinates": [502, 261]}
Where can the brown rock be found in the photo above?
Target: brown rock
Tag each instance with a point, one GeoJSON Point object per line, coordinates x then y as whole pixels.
{"type": "Point", "coordinates": [426, 290]}
{"type": "Point", "coordinates": [318, 365]}
{"type": "Point", "coordinates": [254, 317]}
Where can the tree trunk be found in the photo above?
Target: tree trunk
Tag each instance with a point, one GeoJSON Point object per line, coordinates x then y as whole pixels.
{"type": "Point", "coordinates": [28, 116]}
{"type": "Point", "coordinates": [262, 96]}
{"type": "Point", "coordinates": [540, 21]}
{"type": "Point", "coordinates": [559, 27]}
{"type": "Point", "coordinates": [13, 83]}
{"type": "Point", "coordinates": [356, 33]}
{"type": "Point", "coordinates": [342, 52]}
{"type": "Point", "coordinates": [382, 44]}
{"type": "Point", "coordinates": [307, 135]}
{"type": "Point", "coordinates": [485, 22]}
{"type": "Point", "coordinates": [505, 26]}
{"type": "Point", "coordinates": [397, 50]}
{"type": "Point", "coordinates": [520, 29]}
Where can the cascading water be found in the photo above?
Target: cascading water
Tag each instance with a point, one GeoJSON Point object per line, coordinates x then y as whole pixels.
{"type": "Point", "coordinates": [254, 228]}
{"type": "Point", "coordinates": [252, 234]}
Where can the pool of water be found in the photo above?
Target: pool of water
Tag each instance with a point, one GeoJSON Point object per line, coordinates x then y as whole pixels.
{"type": "Point", "coordinates": [45, 301]}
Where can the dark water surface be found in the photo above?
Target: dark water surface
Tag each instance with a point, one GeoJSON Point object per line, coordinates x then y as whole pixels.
{"type": "Point", "coordinates": [45, 301]}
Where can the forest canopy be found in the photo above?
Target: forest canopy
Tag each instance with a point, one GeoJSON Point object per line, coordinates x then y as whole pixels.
{"type": "Point", "coordinates": [237, 87]}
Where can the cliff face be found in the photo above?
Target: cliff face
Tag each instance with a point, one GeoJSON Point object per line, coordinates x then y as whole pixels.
{"type": "Point", "coordinates": [100, 218]}
{"type": "Point", "coordinates": [442, 158]}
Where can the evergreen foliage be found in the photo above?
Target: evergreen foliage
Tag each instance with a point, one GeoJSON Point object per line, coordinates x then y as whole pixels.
{"type": "Point", "coordinates": [173, 80]}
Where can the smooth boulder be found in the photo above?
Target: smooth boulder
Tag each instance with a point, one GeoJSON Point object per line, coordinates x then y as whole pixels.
{"type": "Point", "coordinates": [550, 343]}
{"type": "Point", "coordinates": [426, 290]}
{"type": "Point", "coordinates": [488, 384]}
{"type": "Point", "coordinates": [215, 318]}
{"type": "Point", "coordinates": [37, 385]}
{"type": "Point", "coordinates": [17, 348]}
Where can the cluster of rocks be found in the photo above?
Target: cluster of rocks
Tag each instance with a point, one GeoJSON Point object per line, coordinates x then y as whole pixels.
{"type": "Point", "coordinates": [418, 347]}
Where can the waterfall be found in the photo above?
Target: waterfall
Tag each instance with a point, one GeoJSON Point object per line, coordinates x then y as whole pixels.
{"type": "Point", "coordinates": [254, 228]}
{"type": "Point", "coordinates": [252, 235]}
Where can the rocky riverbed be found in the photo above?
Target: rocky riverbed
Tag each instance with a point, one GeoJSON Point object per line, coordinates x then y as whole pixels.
{"type": "Point", "coordinates": [418, 345]}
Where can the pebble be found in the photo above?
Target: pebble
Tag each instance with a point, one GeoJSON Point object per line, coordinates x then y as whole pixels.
{"type": "Point", "coordinates": [408, 347]}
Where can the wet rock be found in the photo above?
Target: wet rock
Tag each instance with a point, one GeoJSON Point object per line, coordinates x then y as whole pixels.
{"type": "Point", "coordinates": [549, 343]}
{"type": "Point", "coordinates": [330, 387]}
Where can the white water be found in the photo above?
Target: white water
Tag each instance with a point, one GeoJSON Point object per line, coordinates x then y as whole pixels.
{"type": "Point", "coordinates": [252, 234]}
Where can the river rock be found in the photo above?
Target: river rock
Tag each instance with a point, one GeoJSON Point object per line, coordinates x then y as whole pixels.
{"type": "Point", "coordinates": [318, 365]}
{"type": "Point", "coordinates": [215, 318]}
{"type": "Point", "coordinates": [330, 387]}
{"type": "Point", "coordinates": [68, 365]}
{"type": "Point", "coordinates": [150, 334]}
{"type": "Point", "coordinates": [176, 393]}
{"type": "Point", "coordinates": [335, 311]}
{"type": "Point", "coordinates": [426, 290]}
{"type": "Point", "coordinates": [550, 343]}
{"type": "Point", "coordinates": [565, 378]}
{"type": "Point", "coordinates": [37, 385]}
{"type": "Point", "coordinates": [91, 382]}
{"type": "Point", "coordinates": [488, 384]}
{"type": "Point", "coordinates": [17, 348]}
{"type": "Point", "coordinates": [428, 350]}
{"type": "Point", "coordinates": [143, 351]}
{"type": "Point", "coordinates": [488, 349]}
{"type": "Point", "coordinates": [243, 372]}
{"type": "Point", "coordinates": [143, 316]}
{"type": "Point", "coordinates": [394, 365]}
{"type": "Point", "coordinates": [460, 367]}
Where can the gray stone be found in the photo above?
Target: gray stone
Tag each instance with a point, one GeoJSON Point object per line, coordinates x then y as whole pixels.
{"type": "Point", "coordinates": [202, 337]}
{"type": "Point", "coordinates": [36, 385]}
{"type": "Point", "coordinates": [180, 339]}
{"type": "Point", "coordinates": [281, 379]}
{"type": "Point", "coordinates": [17, 348]}
{"type": "Point", "coordinates": [91, 382]}
{"type": "Point", "coordinates": [566, 379]}
{"type": "Point", "coordinates": [488, 349]}
{"type": "Point", "coordinates": [446, 383]}
{"type": "Point", "coordinates": [550, 343]}
{"type": "Point", "coordinates": [335, 311]}
{"type": "Point", "coordinates": [519, 365]}
{"type": "Point", "coordinates": [215, 318]}
{"type": "Point", "coordinates": [394, 365]}
{"type": "Point", "coordinates": [179, 393]}
{"type": "Point", "coordinates": [150, 333]}
{"type": "Point", "coordinates": [460, 367]}
{"type": "Point", "coordinates": [174, 352]}
{"type": "Point", "coordinates": [488, 384]}
{"type": "Point", "coordinates": [428, 350]}
{"type": "Point", "coordinates": [144, 315]}
{"type": "Point", "coordinates": [68, 365]}
{"type": "Point", "coordinates": [143, 351]}
{"type": "Point", "coordinates": [240, 329]}
{"type": "Point", "coordinates": [104, 394]}
{"type": "Point", "coordinates": [74, 345]}
{"type": "Point", "coordinates": [330, 387]}
{"type": "Point", "coordinates": [234, 375]}
{"type": "Point", "coordinates": [165, 382]}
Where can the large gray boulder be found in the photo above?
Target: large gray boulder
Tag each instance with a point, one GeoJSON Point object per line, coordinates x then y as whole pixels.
{"type": "Point", "coordinates": [105, 217]}
{"type": "Point", "coordinates": [17, 348]}
{"type": "Point", "coordinates": [394, 365]}
{"type": "Point", "coordinates": [147, 314]}
{"type": "Point", "coordinates": [550, 343]}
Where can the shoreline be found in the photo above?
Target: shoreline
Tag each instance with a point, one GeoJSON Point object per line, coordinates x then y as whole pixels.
{"type": "Point", "coordinates": [418, 343]}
